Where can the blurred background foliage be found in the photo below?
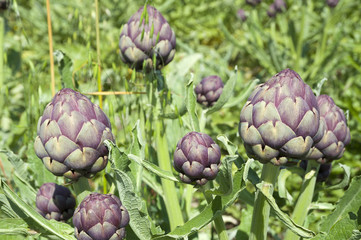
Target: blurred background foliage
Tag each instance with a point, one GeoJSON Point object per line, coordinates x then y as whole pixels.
{"type": "Point", "coordinates": [309, 37]}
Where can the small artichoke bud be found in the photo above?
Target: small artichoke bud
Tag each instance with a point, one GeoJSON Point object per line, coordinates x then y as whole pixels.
{"type": "Point", "coordinates": [209, 90]}
{"type": "Point", "coordinates": [253, 2]}
{"type": "Point", "coordinates": [197, 158]}
{"type": "Point", "coordinates": [55, 202]}
{"type": "Point", "coordinates": [241, 14]}
{"type": "Point", "coordinates": [280, 5]}
{"type": "Point", "coordinates": [280, 119]}
{"type": "Point", "coordinates": [323, 172]}
{"type": "Point", "coordinates": [332, 3]}
{"type": "Point", "coordinates": [71, 133]}
{"type": "Point", "coordinates": [141, 43]}
{"type": "Point", "coordinates": [272, 11]}
{"type": "Point", "coordinates": [100, 217]}
{"type": "Point", "coordinates": [336, 133]}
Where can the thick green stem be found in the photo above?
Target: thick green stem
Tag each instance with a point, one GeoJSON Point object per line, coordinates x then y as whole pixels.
{"type": "Point", "coordinates": [81, 189]}
{"type": "Point", "coordinates": [170, 194]}
{"type": "Point", "coordinates": [305, 198]}
{"type": "Point", "coordinates": [261, 208]}
{"type": "Point", "coordinates": [218, 220]}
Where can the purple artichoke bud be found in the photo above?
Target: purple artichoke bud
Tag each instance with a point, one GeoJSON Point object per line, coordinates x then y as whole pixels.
{"type": "Point", "coordinates": [209, 90]}
{"type": "Point", "coordinates": [241, 14]}
{"type": "Point", "coordinates": [100, 217]}
{"type": "Point", "coordinates": [280, 5]}
{"type": "Point", "coordinates": [336, 133]}
{"type": "Point", "coordinates": [332, 3]}
{"type": "Point", "coordinates": [272, 11]}
{"type": "Point", "coordinates": [140, 43]}
{"type": "Point", "coordinates": [280, 119]}
{"type": "Point", "coordinates": [197, 158]}
{"type": "Point", "coordinates": [253, 2]}
{"type": "Point", "coordinates": [55, 202]}
{"type": "Point", "coordinates": [70, 137]}
{"type": "Point", "coordinates": [323, 172]}
{"type": "Point", "coordinates": [4, 4]}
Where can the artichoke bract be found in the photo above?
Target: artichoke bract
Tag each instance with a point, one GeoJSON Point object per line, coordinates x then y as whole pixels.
{"type": "Point", "coordinates": [197, 158]}
{"type": "Point", "coordinates": [70, 137]}
{"type": "Point", "coordinates": [336, 133]}
{"type": "Point", "coordinates": [209, 90]}
{"type": "Point", "coordinates": [323, 172]}
{"type": "Point", "coordinates": [55, 202]}
{"type": "Point", "coordinates": [141, 43]}
{"type": "Point", "coordinates": [100, 217]}
{"type": "Point", "coordinates": [280, 119]}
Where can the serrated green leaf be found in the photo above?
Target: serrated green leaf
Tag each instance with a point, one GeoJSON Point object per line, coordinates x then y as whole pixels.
{"type": "Point", "coordinates": [282, 190]}
{"type": "Point", "coordinates": [297, 229]}
{"type": "Point", "coordinates": [350, 202]}
{"type": "Point", "coordinates": [65, 65]}
{"type": "Point", "coordinates": [341, 230]}
{"type": "Point", "coordinates": [118, 158]}
{"type": "Point", "coordinates": [356, 235]}
{"type": "Point", "coordinates": [13, 226]}
{"type": "Point", "coordinates": [231, 148]}
{"type": "Point", "coordinates": [226, 94]}
{"type": "Point", "coordinates": [224, 177]}
{"type": "Point", "coordinates": [153, 168]}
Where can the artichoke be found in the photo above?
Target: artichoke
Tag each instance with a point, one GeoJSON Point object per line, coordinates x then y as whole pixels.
{"type": "Point", "coordinates": [323, 172]}
{"type": "Point", "coordinates": [197, 158]}
{"type": "Point", "coordinates": [241, 14]}
{"type": "Point", "coordinates": [336, 133]}
{"type": "Point", "coordinates": [280, 119]}
{"type": "Point", "coordinates": [70, 137]}
{"type": "Point", "coordinates": [209, 90]}
{"type": "Point", "coordinates": [100, 217]}
{"type": "Point", "coordinates": [4, 4]}
{"type": "Point", "coordinates": [280, 5]}
{"type": "Point", "coordinates": [141, 43]}
{"type": "Point", "coordinates": [253, 2]}
{"type": "Point", "coordinates": [272, 11]}
{"type": "Point", "coordinates": [55, 202]}
{"type": "Point", "coordinates": [332, 3]}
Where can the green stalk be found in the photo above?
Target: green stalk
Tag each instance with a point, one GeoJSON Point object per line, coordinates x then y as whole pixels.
{"type": "Point", "coordinates": [170, 195]}
{"type": "Point", "coordinates": [81, 189]}
{"type": "Point", "coordinates": [218, 220]}
{"type": "Point", "coordinates": [2, 87]}
{"type": "Point", "coordinates": [305, 198]}
{"type": "Point", "coordinates": [261, 208]}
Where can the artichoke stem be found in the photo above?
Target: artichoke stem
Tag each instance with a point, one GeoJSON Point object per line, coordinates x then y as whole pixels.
{"type": "Point", "coordinates": [305, 198]}
{"type": "Point", "coordinates": [261, 208]}
{"type": "Point", "coordinates": [81, 189]}
{"type": "Point", "coordinates": [218, 220]}
{"type": "Point", "coordinates": [170, 195]}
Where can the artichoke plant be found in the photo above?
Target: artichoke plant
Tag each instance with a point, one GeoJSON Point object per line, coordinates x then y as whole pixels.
{"type": "Point", "coordinates": [272, 11]}
{"type": "Point", "coordinates": [241, 14]}
{"type": "Point", "coordinates": [336, 133]}
{"type": "Point", "coordinates": [100, 217]}
{"type": "Point", "coordinates": [332, 3]}
{"type": "Point", "coordinates": [70, 136]}
{"type": "Point", "coordinates": [55, 202]}
{"type": "Point", "coordinates": [209, 90]}
{"type": "Point", "coordinates": [143, 42]}
{"type": "Point", "coordinates": [197, 158]}
{"type": "Point", "coordinates": [323, 172]}
{"type": "Point", "coordinates": [280, 119]}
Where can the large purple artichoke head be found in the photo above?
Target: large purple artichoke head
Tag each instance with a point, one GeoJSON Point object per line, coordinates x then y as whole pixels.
{"type": "Point", "coordinates": [332, 3]}
{"type": "Point", "coordinates": [280, 119]}
{"type": "Point", "coordinates": [55, 202]}
{"type": "Point", "coordinates": [209, 90]}
{"type": "Point", "coordinates": [141, 43]}
{"type": "Point", "coordinates": [197, 158]}
{"type": "Point", "coordinates": [100, 217]}
{"type": "Point", "coordinates": [70, 137]}
{"type": "Point", "coordinates": [336, 133]}
{"type": "Point", "coordinates": [323, 172]}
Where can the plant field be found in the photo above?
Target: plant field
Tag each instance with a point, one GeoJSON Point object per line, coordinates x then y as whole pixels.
{"type": "Point", "coordinates": [180, 119]}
